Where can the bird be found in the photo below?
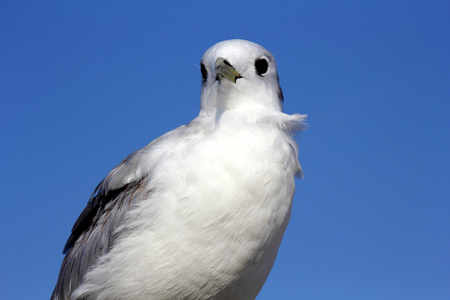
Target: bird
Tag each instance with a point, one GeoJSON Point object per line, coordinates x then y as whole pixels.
{"type": "Point", "coordinates": [200, 212]}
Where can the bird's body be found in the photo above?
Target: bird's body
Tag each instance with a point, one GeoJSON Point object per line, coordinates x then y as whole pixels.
{"type": "Point", "coordinates": [200, 212]}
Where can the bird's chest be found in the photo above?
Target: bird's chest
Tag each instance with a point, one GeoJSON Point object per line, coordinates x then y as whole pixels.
{"type": "Point", "coordinates": [238, 171]}
{"type": "Point", "coordinates": [234, 191]}
{"type": "Point", "coordinates": [226, 203]}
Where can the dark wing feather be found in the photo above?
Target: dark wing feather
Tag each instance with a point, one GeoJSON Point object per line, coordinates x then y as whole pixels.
{"type": "Point", "coordinates": [92, 234]}
{"type": "Point", "coordinates": [95, 205]}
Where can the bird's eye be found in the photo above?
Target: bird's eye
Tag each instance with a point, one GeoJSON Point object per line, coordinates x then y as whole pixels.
{"type": "Point", "coordinates": [261, 66]}
{"type": "Point", "coordinates": [204, 72]}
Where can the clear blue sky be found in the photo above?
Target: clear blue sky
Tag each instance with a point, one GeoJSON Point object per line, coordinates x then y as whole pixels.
{"type": "Point", "coordinates": [84, 84]}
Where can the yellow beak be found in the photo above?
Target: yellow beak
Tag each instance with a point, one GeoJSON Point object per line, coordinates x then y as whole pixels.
{"type": "Point", "coordinates": [225, 70]}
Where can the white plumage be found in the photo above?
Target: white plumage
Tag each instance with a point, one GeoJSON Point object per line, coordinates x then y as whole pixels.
{"type": "Point", "coordinates": [200, 212]}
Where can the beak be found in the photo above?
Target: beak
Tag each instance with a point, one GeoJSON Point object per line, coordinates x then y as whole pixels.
{"type": "Point", "coordinates": [225, 70]}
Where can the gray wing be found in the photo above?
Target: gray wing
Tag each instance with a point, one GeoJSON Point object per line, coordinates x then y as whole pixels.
{"type": "Point", "coordinates": [92, 235]}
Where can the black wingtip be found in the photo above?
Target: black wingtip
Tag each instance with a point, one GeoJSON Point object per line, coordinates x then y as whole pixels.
{"type": "Point", "coordinates": [68, 246]}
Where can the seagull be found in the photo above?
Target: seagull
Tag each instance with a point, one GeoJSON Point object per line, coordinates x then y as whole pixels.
{"type": "Point", "coordinates": [200, 212]}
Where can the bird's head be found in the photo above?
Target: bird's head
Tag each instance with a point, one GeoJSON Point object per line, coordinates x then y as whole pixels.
{"type": "Point", "coordinates": [238, 74]}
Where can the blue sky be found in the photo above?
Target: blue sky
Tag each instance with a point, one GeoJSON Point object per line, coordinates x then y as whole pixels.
{"type": "Point", "coordinates": [83, 84]}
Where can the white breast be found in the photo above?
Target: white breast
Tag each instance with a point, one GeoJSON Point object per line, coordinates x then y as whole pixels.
{"type": "Point", "coordinates": [215, 227]}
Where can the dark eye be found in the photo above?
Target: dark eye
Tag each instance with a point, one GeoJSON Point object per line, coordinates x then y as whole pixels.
{"type": "Point", "coordinates": [261, 66]}
{"type": "Point", "coordinates": [204, 72]}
